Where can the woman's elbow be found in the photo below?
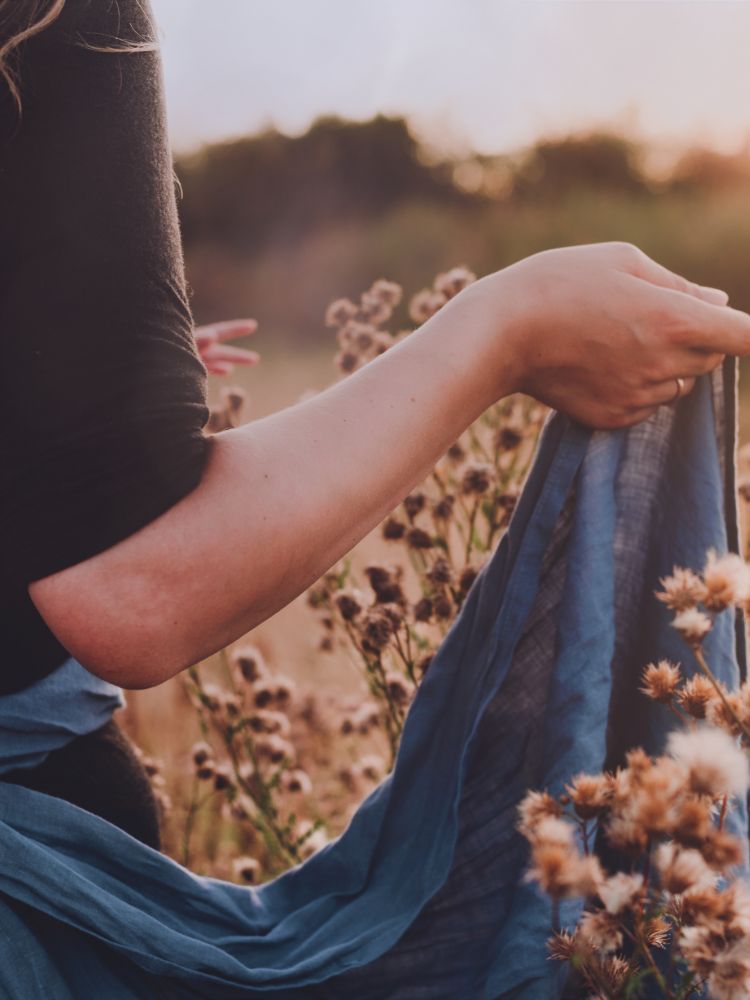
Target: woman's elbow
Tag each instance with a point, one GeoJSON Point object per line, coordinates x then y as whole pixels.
{"type": "Point", "coordinates": [120, 634]}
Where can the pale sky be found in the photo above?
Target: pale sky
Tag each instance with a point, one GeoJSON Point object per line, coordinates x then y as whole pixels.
{"type": "Point", "coordinates": [490, 75]}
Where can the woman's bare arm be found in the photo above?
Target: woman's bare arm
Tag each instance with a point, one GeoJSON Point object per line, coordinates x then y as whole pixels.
{"type": "Point", "coordinates": [600, 332]}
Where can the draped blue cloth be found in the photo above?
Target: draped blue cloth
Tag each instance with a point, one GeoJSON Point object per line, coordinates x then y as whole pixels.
{"type": "Point", "coordinates": [422, 897]}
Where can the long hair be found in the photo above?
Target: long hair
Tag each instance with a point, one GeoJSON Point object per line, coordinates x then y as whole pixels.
{"type": "Point", "coordinates": [20, 20]}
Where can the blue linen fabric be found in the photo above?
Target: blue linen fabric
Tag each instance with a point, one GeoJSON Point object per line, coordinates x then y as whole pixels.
{"type": "Point", "coordinates": [423, 897]}
{"type": "Point", "coordinates": [67, 703]}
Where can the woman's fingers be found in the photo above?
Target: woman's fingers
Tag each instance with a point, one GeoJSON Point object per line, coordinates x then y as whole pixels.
{"type": "Point", "coordinates": [701, 326]}
{"type": "Point", "coordinates": [642, 266]}
{"type": "Point", "coordinates": [233, 355]}
{"type": "Point", "coordinates": [226, 330]}
{"type": "Point", "coordinates": [669, 392]}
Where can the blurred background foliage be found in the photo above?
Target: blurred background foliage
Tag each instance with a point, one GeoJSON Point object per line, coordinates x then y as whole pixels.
{"type": "Point", "coordinates": [276, 226]}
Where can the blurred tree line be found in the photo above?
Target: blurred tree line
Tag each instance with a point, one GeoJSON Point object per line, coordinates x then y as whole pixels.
{"type": "Point", "coordinates": [276, 226]}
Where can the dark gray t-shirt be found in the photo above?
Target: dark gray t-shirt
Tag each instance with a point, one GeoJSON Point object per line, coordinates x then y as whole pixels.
{"type": "Point", "coordinates": [103, 394]}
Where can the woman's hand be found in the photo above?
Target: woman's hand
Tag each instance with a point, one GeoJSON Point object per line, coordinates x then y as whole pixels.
{"type": "Point", "coordinates": [216, 356]}
{"type": "Point", "coordinates": [602, 332]}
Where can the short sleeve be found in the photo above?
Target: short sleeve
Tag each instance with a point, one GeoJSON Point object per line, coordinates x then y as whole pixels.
{"type": "Point", "coordinates": [103, 393]}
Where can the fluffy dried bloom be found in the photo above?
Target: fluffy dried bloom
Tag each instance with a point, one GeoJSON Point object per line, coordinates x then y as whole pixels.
{"type": "Point", "coordinates": [414, 504]}
{"type": "Point", "coordinates": [441, 572]}
{"type": "Point", "coordinates": [715, 764]}
{"type": "Point", "coordinates": [425, 304]}
{"type": "Point", "coordinates": [589, 794]}
{"type": "Point", "coordinates": [314, 840]}
{"type": "Point", "coordinates": [202, 752]}
{"type": "Point", "coordinates": [601, 931]}
{"type": "Point", "coordinates": [268, 721]}
{"type": "Point", "coordinates": [340, 312]}
{"type": "Point", "coordinates": [682, 590]}
{"type": "Point", "coordinates": [563, 873]}
{"type": "Point", "coordinates": [726, 580]}
{"type": "Point", "coordinates": [296, 782]}
{"type": "Point", "coordinates": [562, 946]}
{"type": "Point", "coordinates": [466, 580]}
{"type": "Point", "coordinates": [350, 602]}
{"type": "Point", "coordinates": [274, 748]}
{"type": "Point", "coordinates": [730, 974]}
{"type": "Point", "coordinates": [658, 931]}
{"type": "Point", "coordinates": [717, 713]}
{"type": "Point", "coordinates": [721, 850]}
{"type": "Point", "coordinates": [535, 807]}
{"type": "Point", "coordinates": [376, 629]}
{"type": "Point", "coordinates": [508, 438]}
{"type": "Point", "coordinates": [387, 291]}
{"type": "Point", "coordinates": [693, 625]}
{"type": "Point", "coordinates": [660, 681]}
{"type": "Point", "coordinates": [692, 822]}
{"type": "Point", "coordinates": [222, 776]}
{"type": "Point", "coordinates": [696, 695]}
{"type": "Point", "coordinates": [386, 583]}
{"type": "Point", "coordinates": [346, 361]}
{"type": "Point", "coordinates": [250, 662]}
{"type": "Point", "coordinates": [422, 610]}
{"type": "Point", "coordinates": [416, 538]}
{"type": "Point", "coordinates": [620, 891]}
{"type": "Point", "coordinates": [371, 766]}
{"type": "Point", "coordinates": [442, 509]}
{"type": "Point", "coordinates": [681, 869]}
{"type": "Point", "coordinates": [477, 478]}
{"type": "Point", "coordinates": [247, 869]}
{"type": "Point", "coordinates": [398, 690]}
{"type": "Point", "coordinates": [393, 529]}
{"type": "Point", "coordinates": [443, 606]}
{"type": "Point", "coordinates": [454, 281]}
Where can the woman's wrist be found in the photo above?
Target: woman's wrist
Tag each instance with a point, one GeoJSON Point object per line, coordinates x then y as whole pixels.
{"type": "Point", "coordinates": [499, 312]}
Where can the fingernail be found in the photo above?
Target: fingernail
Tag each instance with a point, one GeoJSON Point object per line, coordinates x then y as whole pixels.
{"type": "Point", "coordinates": [715, 295]}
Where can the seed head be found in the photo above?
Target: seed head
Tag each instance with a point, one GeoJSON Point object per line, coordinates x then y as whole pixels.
{"type": "Point", "coordinates": [682, 591]}
{"type": "Point", "coordinates": [454, 281]}
{"type": "Point", "coordinates": [416, 538]}
{"type": "Point", "coordinates": [715, 764]}
{"type": "Point", "coordinates": [393, 529]}
{"type": "Point", "coordinates": [202, 752]}
{"type": "Point", "coordinates": [696, 695]}
{"type": "Point", "coordinates": [340, 312]}
{"type": "Point", "coordinates": [661, 680]}
{"type": "Point", "coordinates": [247, 870]}
{"type": "Point", "coordinates": [727, 581]}
{"type": "Point", "coordinates": [692, 625]}
{"type": "Point", "coordinates": [477, 479]}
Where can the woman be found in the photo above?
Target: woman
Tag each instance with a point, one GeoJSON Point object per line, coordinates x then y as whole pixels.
{"type": "Point", "coordinates": [133, 544]}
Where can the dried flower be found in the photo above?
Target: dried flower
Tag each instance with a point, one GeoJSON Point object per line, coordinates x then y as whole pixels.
{"type": "Point", "coordinates": [682, 591]}
{"type": "Point", "coordinates": [247, 869]}
{"type": "Point", "coordinates": [620, 891]}
{"type": "Point", "coordinates": [441, 572]}
{"type": "Point", "coordinates": [508, 438]}
{"type": "Point", "coordinates": [296, 782]}
{"type": "Point", "coordinates": [477, 479]}
{"type": "Point", "coordinates": [222, 776]}
{"type": "Point", "coordinates": [393, 529]}
{"type": "Point", "coordinates": [385, 581]}
{"type": "Point", "coordinates": [423, 610]}
{"type": "Point", "coordinates": [590, 794]}
{"type": "Point", "coordinates": [715, 764]}
{"type": "Point", "coordinates": [350, 603]}
{"type": "Point", "coordinates": [696, 695]}
{"type": "Point", "coordinates": [202, 752]}
{"type": "Point", "coordinates": [726, 580]}
{"type": "Point", "coordinates": [340, 312]}
{"type": "Point", "coordinates": [249, 661]}
{"type": "Point", "coordinates": [535, 807]}
{"type": "Point", "coordinates": [414, 504]}
{"type": "Point", "coordinates": [442, 509]}
{"type": "Point", "coordinates": [416, 538]}
{"type": "Point", "coordinates": [682, 869]}
{"type": "Point", "coordinates": [454, 281]}
{"type": "Point", "coordinates": [601, 930]}
{"type": "Point", "coordinates": [387, 291]}
{"type": "Point", "coordinates": [660, 681]}
{"type": "Point", "coordinates": [692, 625]}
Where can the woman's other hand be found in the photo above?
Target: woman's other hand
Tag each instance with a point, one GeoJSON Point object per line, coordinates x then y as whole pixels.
{"type": "Point", "coordinates": [219, 358]}
{"type": "Point", "coordinates": [603, 333]}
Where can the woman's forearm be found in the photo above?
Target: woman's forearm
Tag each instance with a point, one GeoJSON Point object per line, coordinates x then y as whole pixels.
{"type": "Point", "coordinates": [280, 501]}
{"type": "Point", "coordinates": [600, 332]}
